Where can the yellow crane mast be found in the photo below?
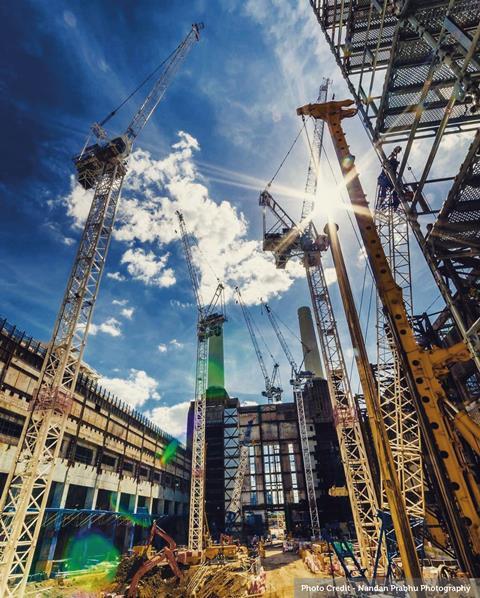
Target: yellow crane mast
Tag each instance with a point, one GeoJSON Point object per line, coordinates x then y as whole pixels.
{"type": "Point", "coordinates": [456, 487]}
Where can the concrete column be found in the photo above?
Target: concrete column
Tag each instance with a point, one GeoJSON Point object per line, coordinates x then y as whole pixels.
{"type": "Point", "coordinates": [50, 537]}
{"type": "Point", "coordinates": [91, 498]}
{"type": "Point", "coordinates": [311, 354]}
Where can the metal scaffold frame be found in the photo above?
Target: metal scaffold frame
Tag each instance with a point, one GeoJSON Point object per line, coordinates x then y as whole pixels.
{"type": "Point", "coordinates": [398, 408]}
{"type": "Point", "coordinates": [414, 69]}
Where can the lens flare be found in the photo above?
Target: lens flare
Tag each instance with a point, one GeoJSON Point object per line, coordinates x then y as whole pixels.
{"type": "Point", "coordinates": [169, 452]}
{"type": "Point", "coordinates": [89, 548]}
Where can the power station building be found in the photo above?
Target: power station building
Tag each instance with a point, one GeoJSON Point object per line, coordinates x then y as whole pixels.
{"type": "Point", "coordinates": [274, 497]}
{"type": "Point", "coordinates": [117, 470]}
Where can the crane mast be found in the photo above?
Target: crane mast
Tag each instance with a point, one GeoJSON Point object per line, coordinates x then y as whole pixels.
{"type": "Point", "coordinates": [359, 478]}
{"type": "Point", "coordinates": [236, 498]}
{"type": "Point", "coordinates": [273, 393]}
{"type": "Point", "coordinates": [394, 396]}
{"type": "Point", "coordinates": [24, 499]}
{"type": "Point", "coordinates": [209, 323]}
{"type": "Point", "coordinates": [299, 382]}
{"type": "Point", "coordinates": [456, 487]}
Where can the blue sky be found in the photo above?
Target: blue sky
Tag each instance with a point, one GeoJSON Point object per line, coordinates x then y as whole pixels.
{"type": "Point", "coordinates": [215, 140]}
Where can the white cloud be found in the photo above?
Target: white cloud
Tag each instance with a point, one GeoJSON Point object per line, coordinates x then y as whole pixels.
{"type": "Point", "coordinates": [146, 267]}
{"type": "Point", "coordinates": [176, 344]}
{"type": "Point", "coordinates": [162, 347]}
{"type": "Point", "coordinates": [248, 404]}
{"type": "Point", "coordinates": [361, 256]}
{"type": "Point", "coordinates": [153, 191]}
{"type": "Point", "coordinates": [172, 419]}
{"type": "Point", "coordinates": [111, 326]}
{"type": "Point", "coordinates": [220, 230]}
{"type": "Point", "coordinates": [181, 304]}
{"type": "Point", "coordinates": [135, 390]}
{"type": "Point", "coordinates": [78, 203]}
{"type": "Point", "coordinates": [127, 312]}
{"type": "Point", "coordinates": [330, 275]}
{"type": "Point", "coordinates": [116, 276]}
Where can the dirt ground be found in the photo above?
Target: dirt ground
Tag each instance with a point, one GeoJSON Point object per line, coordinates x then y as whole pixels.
{"type": "Point", "coordinates": [282, 568]}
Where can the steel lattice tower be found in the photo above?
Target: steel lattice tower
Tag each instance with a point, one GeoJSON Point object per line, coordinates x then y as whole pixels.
{"type": "Point", "coordinates": [398, 409]}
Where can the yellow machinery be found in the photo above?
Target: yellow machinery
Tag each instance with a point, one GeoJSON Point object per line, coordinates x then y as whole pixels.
{"type": "Point", "coordinates": [456, 487]}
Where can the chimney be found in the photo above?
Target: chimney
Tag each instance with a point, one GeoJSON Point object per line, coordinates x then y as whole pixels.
{"type": "Point", "coordinates": [216, 373]}
{"type": "Point", "coordinates": [311, 355]}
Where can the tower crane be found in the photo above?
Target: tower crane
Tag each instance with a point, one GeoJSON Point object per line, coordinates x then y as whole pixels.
{"type": "Point", "coordinates": [210, 319]}
{"type": "Point", "coordinates": [101, 167]}
{"type": "Point", "coordinates": [309, 244]}
{"type": "Point", "coordinates": [457, 490]}
{"type": "Point", "coordinates": [287, 240]}
{"type": "Point", "coordinates": [393, 394]}
{"type": "Point", "coordinates": [235, 505]}
{"type": "Point", "coordinates": [272, 392]}
{"type": "Point", "coordinates": [299, 380]}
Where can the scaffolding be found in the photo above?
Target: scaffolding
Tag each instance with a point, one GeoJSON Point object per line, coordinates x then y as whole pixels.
{"type": "Point", "coordinates": [413, 69]}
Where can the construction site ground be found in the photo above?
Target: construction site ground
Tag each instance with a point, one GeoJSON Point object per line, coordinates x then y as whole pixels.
{"type": "Point", "coordinates": [281, 569]}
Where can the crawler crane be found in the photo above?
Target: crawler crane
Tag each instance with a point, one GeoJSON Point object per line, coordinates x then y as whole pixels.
{"type": "Point", "coordinates": [101, 167]}
{"type": "Point", "coordinates": [456, 488]}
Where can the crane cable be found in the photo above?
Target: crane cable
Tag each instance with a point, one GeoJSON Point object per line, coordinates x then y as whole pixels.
{"type": "Point", "coordinates": [285, 158]}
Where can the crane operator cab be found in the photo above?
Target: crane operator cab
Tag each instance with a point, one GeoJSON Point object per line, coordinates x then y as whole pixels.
{"type": "Point", "coordinates": [91, 161]}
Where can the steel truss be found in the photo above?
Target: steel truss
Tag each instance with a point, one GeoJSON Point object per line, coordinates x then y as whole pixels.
{"type": "Point", "coordinates": [233, 495]}
{"type": "Point", "coordinates": [24, 501]}
{"type": "Point", "coordinates": [197, 483]}
{"type": "Point", "coordinates": [414, 69]}
{"type": "Point", "coordinates": [398, 408]}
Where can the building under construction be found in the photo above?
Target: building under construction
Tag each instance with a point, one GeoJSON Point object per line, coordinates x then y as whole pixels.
{"type": "Point", "coordinates": [274, 496]}
{"type": "Point", "coordinates": [116, 470]}
{"type": "Point", "coordinates": [377, 485]}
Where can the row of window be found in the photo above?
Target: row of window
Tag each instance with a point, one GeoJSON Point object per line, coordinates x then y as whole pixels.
{"type": "Point", "coordinates": [86, 455]}
{"type": "Point", "coordinates": [274, 491]}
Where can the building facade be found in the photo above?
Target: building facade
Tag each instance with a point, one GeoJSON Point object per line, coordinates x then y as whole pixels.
{"type": "Point", "coordinates": [116, 472]}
